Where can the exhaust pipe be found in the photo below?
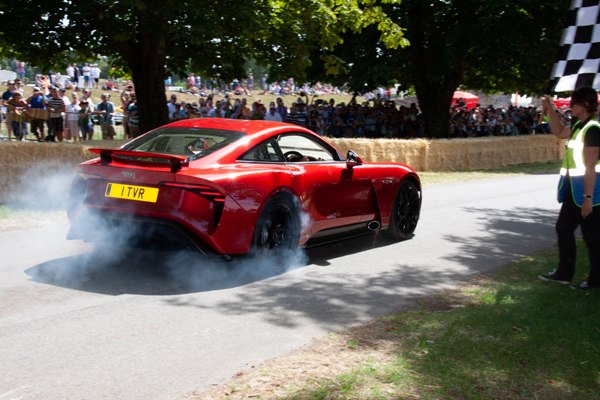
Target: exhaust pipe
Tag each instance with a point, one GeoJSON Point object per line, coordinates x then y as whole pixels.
{"type": "Point", "coordinates": [374, 225]}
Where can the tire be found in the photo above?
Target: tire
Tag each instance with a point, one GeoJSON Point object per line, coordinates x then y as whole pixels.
{"type": "Point", "coordinates": [405, 212]}
{"type": "Point", "coordinates": [277, 230]}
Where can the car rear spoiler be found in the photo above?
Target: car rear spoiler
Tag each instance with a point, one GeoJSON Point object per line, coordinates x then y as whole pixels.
{"type": "Point", "coordinates": [106, 157]}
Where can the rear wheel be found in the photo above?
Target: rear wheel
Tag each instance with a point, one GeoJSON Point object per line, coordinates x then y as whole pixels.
{"type": "Point", "coordinates": [278, 228]}
{"type": "Point", "coordinates": [405, 212]}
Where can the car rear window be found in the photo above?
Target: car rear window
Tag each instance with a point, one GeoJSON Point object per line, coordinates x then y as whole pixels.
{"type": "Point", "coordinates": [193, 143]}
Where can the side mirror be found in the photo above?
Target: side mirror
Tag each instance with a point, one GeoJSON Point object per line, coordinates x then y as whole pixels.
{"type": "Point", "coordinates": [352, 159]}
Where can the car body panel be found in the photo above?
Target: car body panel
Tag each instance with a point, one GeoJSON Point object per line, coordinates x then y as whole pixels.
{"type": "Point", "coordinates": [215, 195]}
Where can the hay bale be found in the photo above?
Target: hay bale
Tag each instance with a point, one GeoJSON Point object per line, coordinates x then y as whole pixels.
{"type": "Point", "coordinates": [457, 154]}
{"type": "Point", "coordinates": [19, 158]}
{"type": "Point", "coordinates": [22, 161]}
{"type": "Point", "coordinates": [449, 155]}
{"type": "Point", "coordinates": [545, 148]}
{"type": "Point", "coordinates": [411, 152]}
{"type": "Point", "coordinates": [491, 152]}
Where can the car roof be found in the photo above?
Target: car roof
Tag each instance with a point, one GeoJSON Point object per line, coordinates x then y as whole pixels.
{"type": "Point", "coordinates": [255, 131]}
{"type": "Point", "coordinates": [248, 127]}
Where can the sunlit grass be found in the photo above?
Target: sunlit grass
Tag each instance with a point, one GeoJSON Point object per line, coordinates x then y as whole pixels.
{"type": "Point", "coordinates": [506, 335]}
{"type": "Point", "coordinates": [16, 217]}
{"type": "Point", "coordinates": [512, 170]}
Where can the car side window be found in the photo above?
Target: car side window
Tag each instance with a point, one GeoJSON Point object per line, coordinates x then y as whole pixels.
{"type": "Point", "coordinates": [264, 152]}
{"type": "Point", "coordinates": [300, 148]}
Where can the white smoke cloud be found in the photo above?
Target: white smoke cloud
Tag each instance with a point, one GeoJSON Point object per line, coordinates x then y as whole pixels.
{"type": "Point", "coordinates": [116, 256]}
{"type": "Point", "coordinates": [43, 186]}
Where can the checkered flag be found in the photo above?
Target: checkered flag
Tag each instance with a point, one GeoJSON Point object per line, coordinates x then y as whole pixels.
{"type": "Point", "coordinates": [578, 61]}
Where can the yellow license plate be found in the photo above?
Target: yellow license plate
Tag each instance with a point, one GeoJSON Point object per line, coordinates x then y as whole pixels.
{"type": "Point", "coordinates": [130, 192]}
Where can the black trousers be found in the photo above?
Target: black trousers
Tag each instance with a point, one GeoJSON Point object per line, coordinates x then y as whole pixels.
{"type": "Point", "coordinates": [569, 219]}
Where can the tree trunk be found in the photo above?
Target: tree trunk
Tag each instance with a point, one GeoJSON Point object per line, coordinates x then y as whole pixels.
{"type": "Point", "coordinates": [434, 81]}
{"type": "Point", "coordinates": [434, 93]}
{"type": "Point", "coordinates": [147, 61]}
{"type": "Point", "coordinates": [151, 97]}
{"type": "Point", "coordinates": [436, 113]}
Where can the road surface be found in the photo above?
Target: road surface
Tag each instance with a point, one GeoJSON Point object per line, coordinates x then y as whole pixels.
{"type": "Point", "coordinates": [79, 323]}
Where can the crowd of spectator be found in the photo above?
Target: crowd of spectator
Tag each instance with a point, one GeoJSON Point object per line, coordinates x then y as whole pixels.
{"type": "Point", "coordinates": [378, 117]}
{"type": "Point", "coordinates": [199, 86]}
{"type": "Point", "coordinates": [371, 119]}
{"type": "Point", "coordinates": [496, 121]}
{"type": "Point", "coordinates": [375, 115]}
{"type": "Point", "coordinates": [66, 117]}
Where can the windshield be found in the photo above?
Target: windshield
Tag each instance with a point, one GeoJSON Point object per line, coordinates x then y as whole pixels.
{"type": "Point", "coordinates": [193, 143]}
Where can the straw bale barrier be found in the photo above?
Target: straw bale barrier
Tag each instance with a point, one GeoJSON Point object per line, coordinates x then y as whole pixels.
{"type": "Point", "coordinates": [458, 154]}
{"type": "Point", "coordinates": [412, 152]}
{"type": "Point", "coordinates": [23, 162]}
{"type": "Point", "coordinates": [20, 161]}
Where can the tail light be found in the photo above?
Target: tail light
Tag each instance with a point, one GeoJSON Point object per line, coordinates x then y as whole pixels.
{"type": "Point", "coordinates": [207, 192]}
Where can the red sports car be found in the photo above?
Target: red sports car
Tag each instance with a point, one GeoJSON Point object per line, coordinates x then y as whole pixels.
{"type": "Point", "coordinates": [232, 187]}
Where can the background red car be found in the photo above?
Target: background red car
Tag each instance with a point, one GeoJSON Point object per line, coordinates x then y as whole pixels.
{"type": "Point", "coordinates": [235, 186]}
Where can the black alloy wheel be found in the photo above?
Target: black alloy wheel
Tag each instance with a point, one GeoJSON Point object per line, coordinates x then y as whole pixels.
{"type": "Point", "coordinates": [278, 228]}
{"type": "Point", "coordinates": [405, 212]}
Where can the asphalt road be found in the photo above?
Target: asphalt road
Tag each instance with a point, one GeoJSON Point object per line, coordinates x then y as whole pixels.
{"type": "Point", "coordinates": [78, 323]}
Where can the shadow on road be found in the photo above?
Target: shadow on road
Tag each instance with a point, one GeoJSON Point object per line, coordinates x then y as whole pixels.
{"type": "Point", "coordinates": [337, 299]}
{"type": "Point", "coordinates": [114, 273]}
{"type": "Point", "coordinates": [329, 297]}
{"type": "Point", "coordinates": [152, 273]}
{"type": "Point", "coordinates": [509, 233]}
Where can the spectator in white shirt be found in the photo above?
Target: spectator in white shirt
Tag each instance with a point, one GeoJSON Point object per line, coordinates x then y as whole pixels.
{"type": "Point", "coordinates": [217, 112]}
{"type": "Point", "coordinates": [272, 114]}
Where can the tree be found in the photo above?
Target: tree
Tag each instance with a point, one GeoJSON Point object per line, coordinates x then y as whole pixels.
{"type": "Point", "coordinates": [492, 45]}
{"type": "Point", "coordinates": [211, 38]}
{"type": "Point", "coordinates": [144, 36]}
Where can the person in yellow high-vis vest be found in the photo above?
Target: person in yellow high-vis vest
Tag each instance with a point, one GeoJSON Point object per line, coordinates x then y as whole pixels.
{"type": "Point", "coordinates": [579, 186]}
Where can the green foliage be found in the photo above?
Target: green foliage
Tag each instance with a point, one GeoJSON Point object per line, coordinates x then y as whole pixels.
{"type": "Point", "coordinates": [519, 43]}
{"type": "Point", "coordinates": [149, 37]}
{"type": "Point", "coordinates": [118, 73]}
{"type": "Point", "coordinates": [491, 45]}
{"type": "Point", "coordinates": [305, 34]}
{"type": "Point", "coordinates": [433, 46]}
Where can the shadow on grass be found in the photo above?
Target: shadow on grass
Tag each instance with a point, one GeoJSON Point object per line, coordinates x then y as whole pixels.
{"type": "Point", "coordinates": [505, 232]}
{"type": "Point", "coordinates": [506, 335]}
{"type": "Point", "coordinates": [520, 339]}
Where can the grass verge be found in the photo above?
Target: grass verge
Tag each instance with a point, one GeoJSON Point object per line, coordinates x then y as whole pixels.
{"type": "Point", "coordinates": [505, 335]}
{"type": "Point", "coordinates": [512, 170]}
{"type": "Point", "coordinates": [14, 217]}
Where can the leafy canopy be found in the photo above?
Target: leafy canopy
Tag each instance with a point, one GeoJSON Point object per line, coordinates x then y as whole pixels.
{"type": "Point", "coordinates": [214, 39]}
